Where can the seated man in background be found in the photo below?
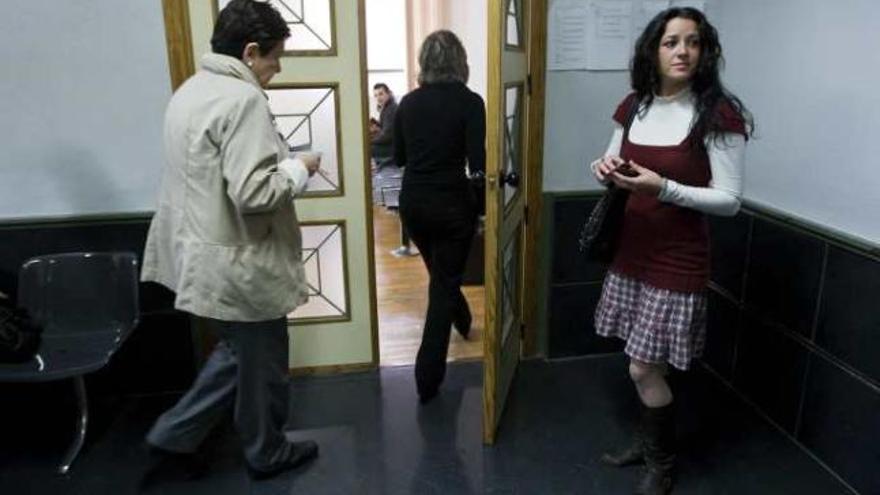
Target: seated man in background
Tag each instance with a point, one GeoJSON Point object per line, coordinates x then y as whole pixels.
{"type": "Point", "coordinates": [381, 144]}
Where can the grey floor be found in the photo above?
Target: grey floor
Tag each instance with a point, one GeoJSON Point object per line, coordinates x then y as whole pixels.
{"type": "Point", "coordinates": [376, 439]}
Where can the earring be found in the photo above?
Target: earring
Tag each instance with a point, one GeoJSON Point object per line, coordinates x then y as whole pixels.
{"type": "Point", "coordinates": [250, 63]}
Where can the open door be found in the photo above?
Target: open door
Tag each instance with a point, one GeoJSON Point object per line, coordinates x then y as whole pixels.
{"type": "Point", "coordinates": [507, 129]}
{"type": "Point", "coordinates": [319, 104]}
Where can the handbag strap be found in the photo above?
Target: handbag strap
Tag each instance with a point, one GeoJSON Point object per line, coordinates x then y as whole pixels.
{"type": "Point", "coordinates": [631, 116]}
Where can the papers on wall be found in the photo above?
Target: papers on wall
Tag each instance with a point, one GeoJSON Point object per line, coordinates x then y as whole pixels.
{"type": "Point", "coordinates": [610, 35]}
{"type": "Point", "coordinates": [646, 12]}
{"type": "Point", "coordinates": [600, 34]}
{"type": "Point", "coordinates": [568, 39]}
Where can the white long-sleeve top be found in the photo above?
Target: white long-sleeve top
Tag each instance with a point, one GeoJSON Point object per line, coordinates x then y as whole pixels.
{"type": "Point", "coordinates": [668, 122]}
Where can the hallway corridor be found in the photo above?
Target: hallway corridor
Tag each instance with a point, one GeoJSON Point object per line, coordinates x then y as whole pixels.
{"type": "Point", "coordinates": [375, 439]}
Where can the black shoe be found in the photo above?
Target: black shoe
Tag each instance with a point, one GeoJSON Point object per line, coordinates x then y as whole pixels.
{"type": "Point", "coordinates": [169, 466]}
{"type": "Point", "coordinates": [301, 453]}
{"type": "Point", "coordinates": [655, 482]}
{"type": "Point", "coordinates": [463, 326]}
{"type": "Point", "coordinates": [428, 396]}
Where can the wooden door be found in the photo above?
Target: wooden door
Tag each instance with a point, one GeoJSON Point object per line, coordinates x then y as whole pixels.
{"type": "Point", "coordinates": [507, 176]}
{"type": "Point", "coordinates": [319, 102]}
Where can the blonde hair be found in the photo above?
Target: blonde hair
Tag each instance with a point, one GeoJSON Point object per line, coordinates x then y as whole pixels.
{"type": "Point", "coordinates": [442, 59]}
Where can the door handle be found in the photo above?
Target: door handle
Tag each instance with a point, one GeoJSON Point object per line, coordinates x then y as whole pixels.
{"type": "Point", "coordinates": [511, 179]}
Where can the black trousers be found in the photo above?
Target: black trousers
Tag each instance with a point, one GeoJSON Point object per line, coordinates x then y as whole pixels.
{"type": "Point", "coordinates": [404, 235]}
{"type": "Point", "coordinates": [441, 223]}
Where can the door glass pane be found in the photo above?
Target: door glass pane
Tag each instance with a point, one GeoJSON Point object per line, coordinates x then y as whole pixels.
{"type": "Point", "coordinates": [307, 120]}
{"type": "Point", "coordinates": [512, 136]}
{"type": "Point", "coordinates": [513, 35]}
{"type": "Point", "coordinates": [324, 263]}
{"type": "Point", "coordinates": [510, 287]}
{"type": "Point", "coordinates": [310, 23]}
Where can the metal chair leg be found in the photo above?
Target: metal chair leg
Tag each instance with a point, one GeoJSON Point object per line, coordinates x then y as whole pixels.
{"type": "Point", "coordinates": [79, 385]}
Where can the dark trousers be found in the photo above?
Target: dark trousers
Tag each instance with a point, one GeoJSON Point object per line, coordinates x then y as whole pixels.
{"type": "Point", "coordinates": [404, 235]}
{"type": "Point", "coordinates": [248, 373]}
{"type": "Point", "coordinates": [442, 225]}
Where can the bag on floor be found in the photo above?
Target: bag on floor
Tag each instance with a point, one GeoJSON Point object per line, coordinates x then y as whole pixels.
{"type": "Point", "coordinates": [19, 335]}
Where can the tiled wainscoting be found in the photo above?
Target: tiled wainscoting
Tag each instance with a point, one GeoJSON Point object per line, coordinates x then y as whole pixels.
{"type": "Point", "coordinates": [794, 325]}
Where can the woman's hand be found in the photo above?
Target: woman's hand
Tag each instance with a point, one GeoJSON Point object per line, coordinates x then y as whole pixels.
{"type": "Point", "coordinates": [605, 166]}
{"type": "Point", "coordinates": [638, 179]}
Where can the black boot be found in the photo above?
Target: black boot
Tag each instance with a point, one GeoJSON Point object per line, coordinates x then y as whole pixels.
{"type": "Point", "coordinates": [632, 454]}
{"type": "Point", "coordinates": [658, 430]}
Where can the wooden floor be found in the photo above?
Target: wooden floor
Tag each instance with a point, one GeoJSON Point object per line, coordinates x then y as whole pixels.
{"type": "Point", "coordinates": [402, 293]}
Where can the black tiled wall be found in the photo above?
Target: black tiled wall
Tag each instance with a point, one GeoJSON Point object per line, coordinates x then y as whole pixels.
{"type": "Point", "coordinates": [801, 342]}
{"type": "Point", "coordinates": [575, 285]}
{"type": "Point", "coordinates": [794, 326]}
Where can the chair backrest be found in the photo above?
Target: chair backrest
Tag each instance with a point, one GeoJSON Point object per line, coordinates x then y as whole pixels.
{"type": "Point", "coordinates": [81, 293]}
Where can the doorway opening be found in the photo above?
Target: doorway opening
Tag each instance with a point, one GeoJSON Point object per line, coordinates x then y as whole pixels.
{"type": "Point", "coordinates": [394, 31]}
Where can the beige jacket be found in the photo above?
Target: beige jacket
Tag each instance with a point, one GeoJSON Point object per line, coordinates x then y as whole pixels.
{"type": "Point", "coordinates": [225, 236]}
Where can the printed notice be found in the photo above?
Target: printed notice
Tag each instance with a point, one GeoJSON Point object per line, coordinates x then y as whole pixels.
{"type": "Point", "coordinates": [568, 35]}
{"type": "Point", "coordinates": [648, 10]}
{"type": "Point", "coordinates": [610, 35]}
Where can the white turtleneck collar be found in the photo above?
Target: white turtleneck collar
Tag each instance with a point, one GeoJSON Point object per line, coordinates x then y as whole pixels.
{"type": "Point", "coordinates": [684, 93]}
{"type": "Point", "coordinates": [667, 121]}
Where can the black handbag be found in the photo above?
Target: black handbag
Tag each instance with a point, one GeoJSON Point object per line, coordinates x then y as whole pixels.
{"type": "Point", "coordinates": [600, 233]}
{"type": "Point", "coordinates": [19, 336]}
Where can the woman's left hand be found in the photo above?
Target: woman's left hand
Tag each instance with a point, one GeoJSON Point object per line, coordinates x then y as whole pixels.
{"type": "Point", "coordinates": [637, 179]}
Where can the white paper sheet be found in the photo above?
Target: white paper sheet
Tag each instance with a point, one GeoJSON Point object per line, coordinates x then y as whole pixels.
{"type": "Point", "coordinates": [568, 35]}
{"type": "Point", "coordinates": [646, 12]}
{"type": "Point", "coordinates": [610, 35]}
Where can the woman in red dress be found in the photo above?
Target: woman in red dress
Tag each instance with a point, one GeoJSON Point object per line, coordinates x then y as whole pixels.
{"type": "Point", "coordinates": [678, 147]}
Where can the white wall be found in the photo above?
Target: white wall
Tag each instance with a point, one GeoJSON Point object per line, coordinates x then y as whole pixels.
{"type": "Point", "coordinates": [810, 71]}
{"type": "Point", "coordinates": [469, 20]}
{"type": "Point", "coordinates": [83, 89]}
{"type": "Point", "coordinates": [386, 47]}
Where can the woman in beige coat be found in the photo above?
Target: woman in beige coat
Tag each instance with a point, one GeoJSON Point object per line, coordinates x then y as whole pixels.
{"type": "Point", "coordinates": [225, 239]}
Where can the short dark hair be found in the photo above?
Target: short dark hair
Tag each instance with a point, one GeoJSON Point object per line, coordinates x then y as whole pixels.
{"type": "Point", "coordinates": [247, 21]}
{"type": "Point", "coordinates": [382, 86]}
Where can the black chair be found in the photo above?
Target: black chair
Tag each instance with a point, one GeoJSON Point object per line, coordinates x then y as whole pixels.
{"type": "Point", "coordinates": [87, 304]}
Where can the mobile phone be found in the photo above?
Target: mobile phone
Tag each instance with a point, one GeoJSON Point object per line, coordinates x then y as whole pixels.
{"type": "Point", "coordinates": [626, 170]}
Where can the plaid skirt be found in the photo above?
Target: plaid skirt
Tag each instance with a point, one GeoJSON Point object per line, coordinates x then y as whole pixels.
{"type": "Point", "coordinates": [658, 325]}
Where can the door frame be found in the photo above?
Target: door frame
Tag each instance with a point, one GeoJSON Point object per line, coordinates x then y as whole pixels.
{"type": "Point", "coordinates": [537, 60]}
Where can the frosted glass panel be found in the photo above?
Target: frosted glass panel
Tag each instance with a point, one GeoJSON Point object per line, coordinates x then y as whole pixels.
{"type": "Point", "coordinates": [514, 23]}
{"type": "Point", "coordinates": [324, 262]}
{"type": "Point", "coordinates": [512, 137]}
{"type": "Point", "coordinates": [306, 119]}
{"type": "Point", "coordinates": [510, 286]}
{"type": "Point", "coordinates": [310, 23]}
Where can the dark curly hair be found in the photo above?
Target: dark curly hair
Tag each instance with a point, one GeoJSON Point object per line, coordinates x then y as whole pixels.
{"type": "Point", "coordinates": [706, 82]}
{"type": "Point", "coordinates": [248, 21]}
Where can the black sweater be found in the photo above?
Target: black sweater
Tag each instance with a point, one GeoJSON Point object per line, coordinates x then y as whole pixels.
{"type": "Point", "coordinates": [437, 127]}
